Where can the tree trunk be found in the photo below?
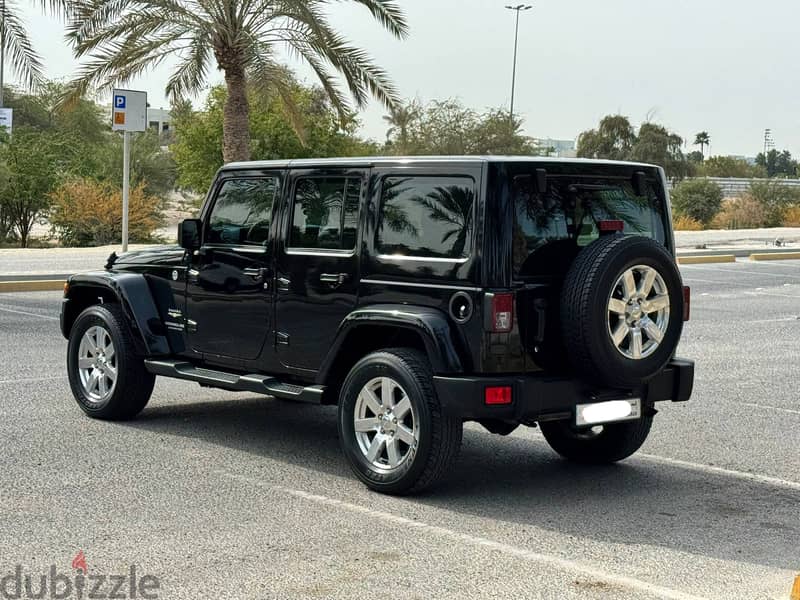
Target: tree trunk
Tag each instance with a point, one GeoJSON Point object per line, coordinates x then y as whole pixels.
{"type": "Point", "coordinates": [236, 118]}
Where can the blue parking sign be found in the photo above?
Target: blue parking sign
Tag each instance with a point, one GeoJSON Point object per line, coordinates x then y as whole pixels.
{"type": "Point", "coordinates": [119, 101]}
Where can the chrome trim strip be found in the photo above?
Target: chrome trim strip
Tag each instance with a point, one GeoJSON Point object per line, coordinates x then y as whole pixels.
{"type": "Point", "coordinates": [311, 252]}
{"type": "Point", "coordinates": [435, 286]}
{"type": "Point", "coordinates": [421, 258]}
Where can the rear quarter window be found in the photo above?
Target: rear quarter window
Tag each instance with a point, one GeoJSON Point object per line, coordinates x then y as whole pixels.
{"type": "Point", "coordinates": [426, 216]}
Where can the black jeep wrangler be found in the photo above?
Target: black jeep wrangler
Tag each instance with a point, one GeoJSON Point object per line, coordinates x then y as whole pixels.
{"type": "Point", "coordinates": [415, 294]}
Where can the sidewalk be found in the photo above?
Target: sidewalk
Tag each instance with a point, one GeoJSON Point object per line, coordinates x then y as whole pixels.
{"type": "Point", "coordinates": [54, 263]}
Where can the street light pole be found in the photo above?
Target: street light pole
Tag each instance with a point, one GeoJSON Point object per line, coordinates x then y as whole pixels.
{"type": "Point", "coordinates": [518, 8]}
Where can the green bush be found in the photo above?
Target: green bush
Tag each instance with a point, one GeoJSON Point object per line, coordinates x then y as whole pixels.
{"type": "Point", "coordinates": [775, 198]}
{"type": "Point", "coordinates": [698, 199]}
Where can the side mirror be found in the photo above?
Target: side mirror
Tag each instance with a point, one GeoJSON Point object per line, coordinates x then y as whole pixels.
{"type": "Point", "coordinates": [189, 233]}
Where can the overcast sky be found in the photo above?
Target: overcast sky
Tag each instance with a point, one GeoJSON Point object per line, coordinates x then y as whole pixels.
{"type": "Point", "coordinates": [726, 66]}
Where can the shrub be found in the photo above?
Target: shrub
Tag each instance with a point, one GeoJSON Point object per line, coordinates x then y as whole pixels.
{"type": "Point", "coordinates": [684, 223]}
{"type": "Point", "coordinates": [791, 217]}
{"type": "Point", "coordinates": [774, 197]}
{"type": "Point", "coordinates": [698, 199]}
{"type": "Point", "coordinates": [740, 213]}
{"type": "Point", "coordinates": [86, 212]}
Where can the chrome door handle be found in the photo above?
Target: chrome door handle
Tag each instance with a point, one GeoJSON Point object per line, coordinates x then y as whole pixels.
{"type": "Point", "coordinates": [333, 279]}
{"type": "Point", "coordinates": [254, 273]}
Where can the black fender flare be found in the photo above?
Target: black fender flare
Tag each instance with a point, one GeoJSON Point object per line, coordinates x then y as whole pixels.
{"type": "Point", "coordinates": [135, 298]}
{"type": "Point", "coordinates": [429, 323]}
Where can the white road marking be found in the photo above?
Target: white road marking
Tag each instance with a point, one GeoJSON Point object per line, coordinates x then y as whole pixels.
{"type": "Point", "coordinates": [771, 294]}
{"type": "Point", "coordinates": [779, 320]}
{"type": "Point", "coordinates": [776, 481]}
{"type": "Point", "coordinates": [473, 540]}
{"type": "Point", "coordinates": [768, 407]}
{"type": "Point", "coordinates": [736, 271]}
{"type": "Point", "coordinates": [31, 379]}
{"type": "Point", "coordinates": [30, 314]}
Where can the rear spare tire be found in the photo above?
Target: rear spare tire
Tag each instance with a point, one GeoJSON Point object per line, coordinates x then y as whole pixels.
{"type": "Point", "coordinates": [622, 310]}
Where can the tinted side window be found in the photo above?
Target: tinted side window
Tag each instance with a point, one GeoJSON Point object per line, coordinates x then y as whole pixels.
{"type": "Point", "coordinates": [325, 213]}
{"type": "Point", "coordinates": [426, 216]}
{"type": "Point", "coordinates": [242, 212]}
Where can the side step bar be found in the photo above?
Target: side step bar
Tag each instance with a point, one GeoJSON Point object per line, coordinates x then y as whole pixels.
{"type": "Point", "coordinates": [260, 384]}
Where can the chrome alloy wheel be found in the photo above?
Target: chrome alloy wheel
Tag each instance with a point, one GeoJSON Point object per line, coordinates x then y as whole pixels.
{"type": "Point", "coordinates": [385, 425]}
{"type": "Point", "coordinates": [97, 364]}
{"type": "Point", "coordinates": [638, 312]}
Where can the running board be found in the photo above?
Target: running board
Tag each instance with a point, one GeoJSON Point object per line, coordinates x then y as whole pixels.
{"type": "Point", "coordinates": [260, 384]}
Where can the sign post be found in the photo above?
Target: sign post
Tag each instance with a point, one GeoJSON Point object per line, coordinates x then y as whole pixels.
{"type": "Point", "coordinates": [128, 113]}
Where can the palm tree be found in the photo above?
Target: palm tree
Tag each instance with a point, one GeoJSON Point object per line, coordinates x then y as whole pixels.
{"type": "Point", "coordinates": [399, 119]}
{"type": "Point", "coordinates": [122, 39]}
{"type": "Point", "coordinates": [15, 43]}
{"type": "Point", "coordinates": [702, 139]}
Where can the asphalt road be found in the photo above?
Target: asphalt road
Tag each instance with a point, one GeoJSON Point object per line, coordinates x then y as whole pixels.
{"type": "Point", "coordinates": [220, 495]}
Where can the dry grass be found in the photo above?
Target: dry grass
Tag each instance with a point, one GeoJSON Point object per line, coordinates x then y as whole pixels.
{"type": "Point", "coordinates": [791, 217]}
{"type": "Point", "coordinates": [740, 213]}
{"type": "Point", "coordinates": [684, 223]}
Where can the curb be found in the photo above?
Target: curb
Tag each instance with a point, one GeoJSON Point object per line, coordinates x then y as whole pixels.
{"type": "Point", "coordinates": [40, 285]}
{"type": "Point", "coordinates": [712, 258]}
{"type": "Point", "coordinates": [775, 256]}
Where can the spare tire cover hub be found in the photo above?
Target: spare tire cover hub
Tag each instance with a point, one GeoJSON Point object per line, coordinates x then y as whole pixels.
{"type": "Point", "coordinates": [638, 312]}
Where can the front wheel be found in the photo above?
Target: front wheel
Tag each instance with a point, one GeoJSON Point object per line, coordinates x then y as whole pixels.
{"type": "Point", "coordinates": [107, 377]}
{"type": "Point", "coordinates": [600, 444]}
{"type": "Point", "coordinates": [392, 428]}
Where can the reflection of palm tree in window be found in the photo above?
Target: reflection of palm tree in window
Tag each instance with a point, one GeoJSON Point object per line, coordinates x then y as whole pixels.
{"type": "Point", "coordinates": [392, 216]}
{"type": "Point", "coordinates": [451, 205]}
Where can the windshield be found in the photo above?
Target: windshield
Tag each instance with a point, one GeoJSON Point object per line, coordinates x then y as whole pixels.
{"type": "Point", "coordinates": [551, 226]}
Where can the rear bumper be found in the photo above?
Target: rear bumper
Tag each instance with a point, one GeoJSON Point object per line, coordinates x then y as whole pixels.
{"type": "Point", "coordinates": [539, 397]}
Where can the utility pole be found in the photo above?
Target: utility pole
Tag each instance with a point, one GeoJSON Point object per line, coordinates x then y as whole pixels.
{"type": "Point", "coordinates": [2, 46]}
{"type": "Point", "coordinates": [518, 8]}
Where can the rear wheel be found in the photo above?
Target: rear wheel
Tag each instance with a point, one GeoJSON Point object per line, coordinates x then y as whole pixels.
{"type": "Point", "coordinates": [107, 377]}
{"type": "Point", "coordinates": [392, 428]}
{"type": "Point", "coordinates": [599, 444]}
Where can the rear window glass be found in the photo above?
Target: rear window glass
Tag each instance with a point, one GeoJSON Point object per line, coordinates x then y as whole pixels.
{"type": "Point", "coordinates": [550, 227]}
{"type": "Point", "coordinates": [429, 217]}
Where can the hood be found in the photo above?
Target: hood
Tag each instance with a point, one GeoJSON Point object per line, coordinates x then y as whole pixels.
{"type": "Point", "coordinates": [153, 254]}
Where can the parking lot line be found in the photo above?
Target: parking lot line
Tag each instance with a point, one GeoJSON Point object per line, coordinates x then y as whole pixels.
{"type": "Point", "coordinates": [776, 481]}
{"type": "Point", "coordinates": [31, 379]}
{"type": "Point", "coordinates": [30, 314]}
{"type": "Point", "coordinates": [737, 271]}
{"type": "Point", "coordinates": [767, 407]}
{"type": "Point", "coordinates": [473, 540]}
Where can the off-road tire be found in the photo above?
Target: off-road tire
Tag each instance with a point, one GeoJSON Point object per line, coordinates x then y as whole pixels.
{"type": "Point", "coordinates": [584, 310]}
{"type": "Point", "coordinates": [134, 383]}
{"type": "Point", "coordinates": [615, 442]}
{"type": "Point", "coordinates": [439, 433]}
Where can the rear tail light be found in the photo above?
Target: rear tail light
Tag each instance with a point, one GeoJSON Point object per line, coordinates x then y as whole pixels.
{"type": "Point", "coordinates": [500, 394]}
{"type": "Point", "coordinates": [610, 225]}
{"type": "Point", "coordinates": [502, 317]}
{"type": "Point", "coordinates": [687, 302]}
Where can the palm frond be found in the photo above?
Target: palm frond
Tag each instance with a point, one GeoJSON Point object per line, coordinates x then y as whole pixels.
{"type": "Point", "coordinates": [191, 72]}
{"type": "Point", "coordinates": [25, 62]}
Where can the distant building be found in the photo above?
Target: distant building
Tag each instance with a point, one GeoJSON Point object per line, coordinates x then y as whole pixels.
{"type": "Point", "coordinates": [158, 119]}
{"type": "Point", "coordinates": [750, 160]}
{"type": "Point", "coordinates": [558, 148]}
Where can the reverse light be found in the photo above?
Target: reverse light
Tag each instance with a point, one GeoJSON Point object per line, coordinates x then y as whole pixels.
{"type": "Point", "coordinates": [499, 394]}
{"type": "Point", "coordinates": [687, 302]}
{"type": "Point", "coordinates": [502, 317]}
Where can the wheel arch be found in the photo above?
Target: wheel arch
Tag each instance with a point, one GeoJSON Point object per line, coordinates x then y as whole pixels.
{"type": "Point", "coordinates": [131, 292]}
{"type": "Point", "coordinates": [372, 328]}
